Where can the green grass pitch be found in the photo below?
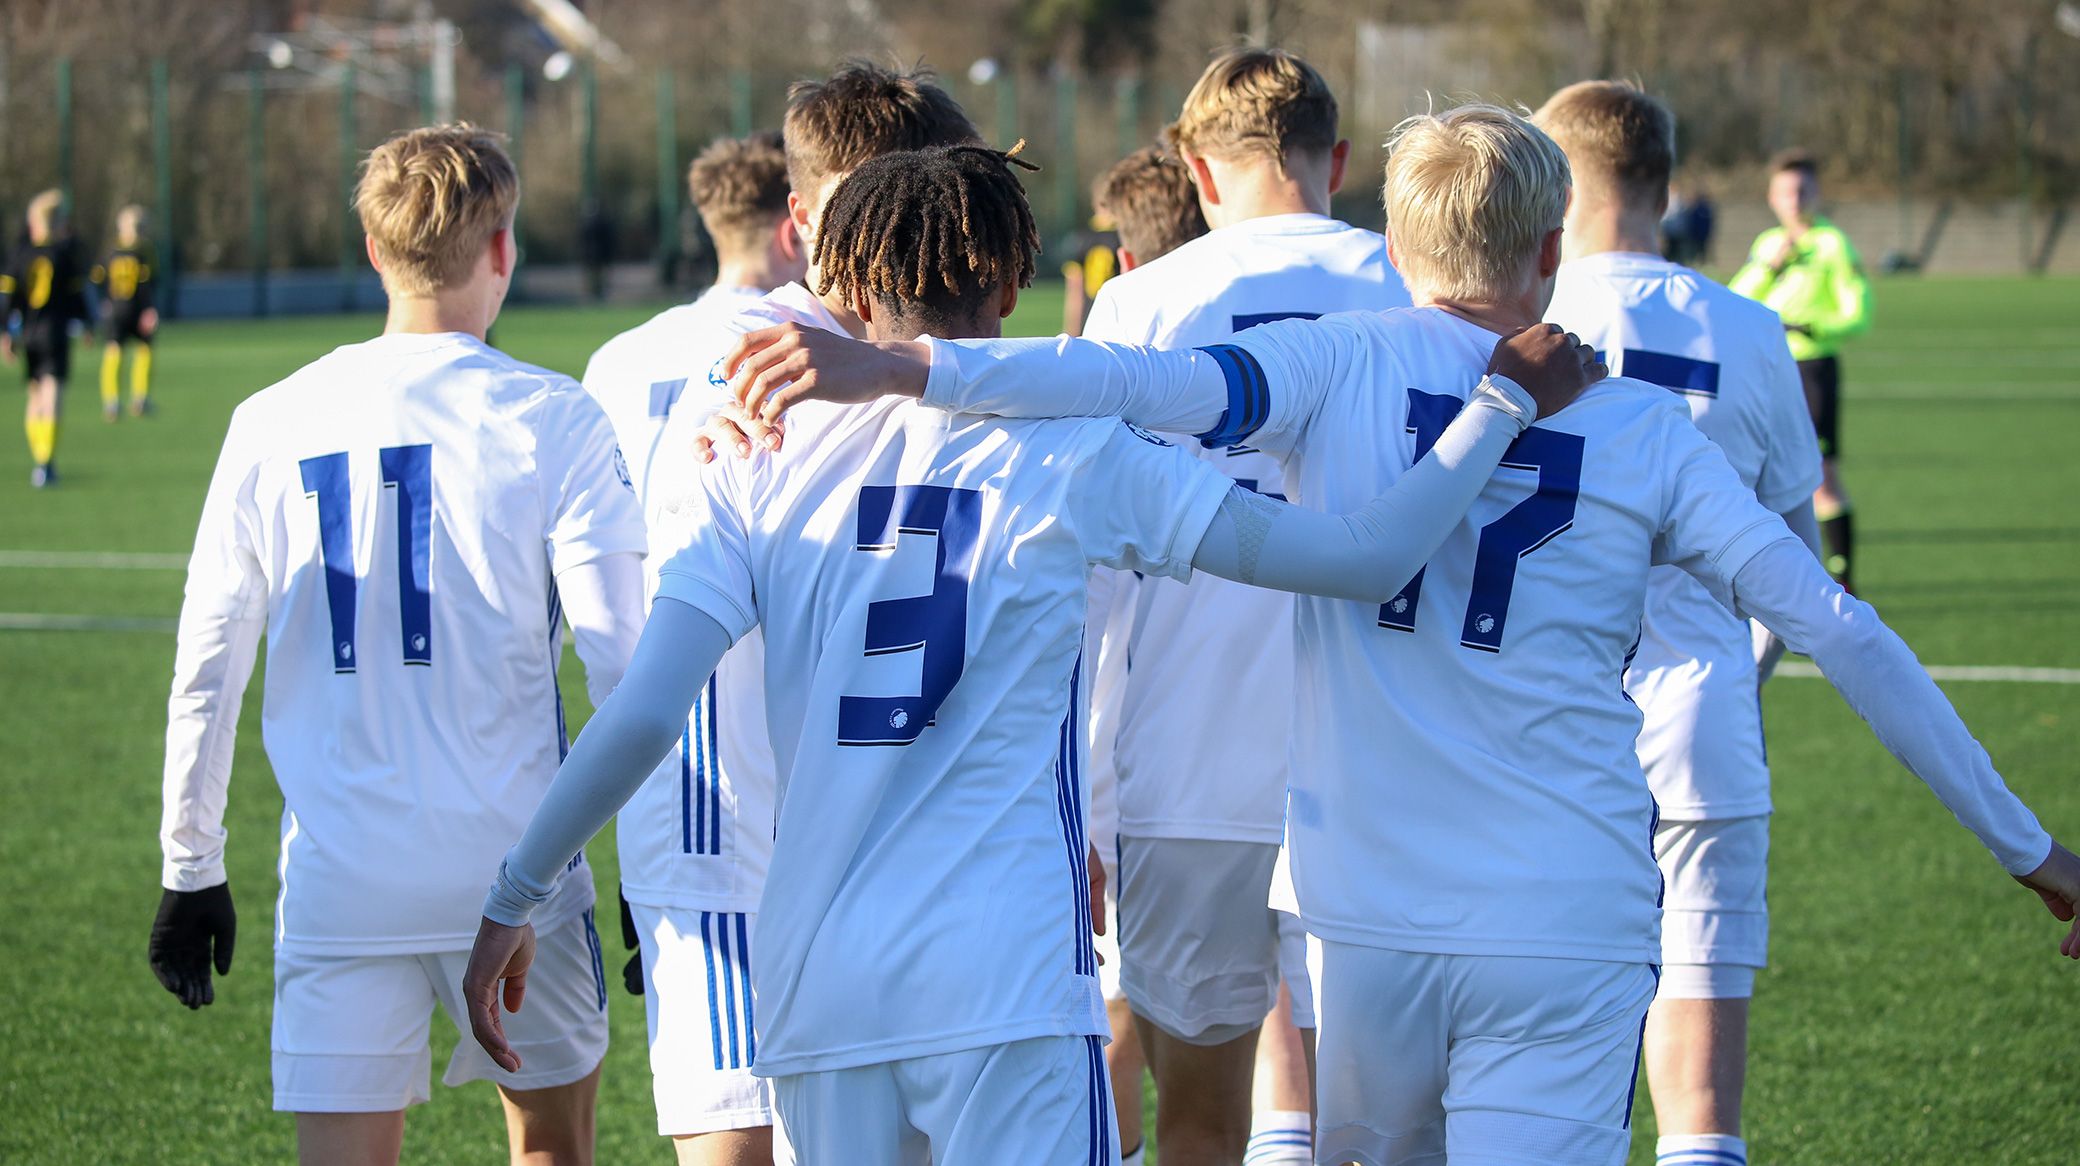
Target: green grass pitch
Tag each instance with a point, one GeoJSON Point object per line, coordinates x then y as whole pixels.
{"type": "Point", "coordinates": [1913, 1012]}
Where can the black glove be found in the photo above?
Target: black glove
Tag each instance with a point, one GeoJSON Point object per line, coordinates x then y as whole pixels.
{"type": "Point", "coordinates": [189, 923]}
{"type": "Point", "coordinates": [632, 971]}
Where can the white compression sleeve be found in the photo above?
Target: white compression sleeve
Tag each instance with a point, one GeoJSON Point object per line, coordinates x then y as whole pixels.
{"type": "Point", "coordinates": [1372, 554]}
{"type": "Point", "coordinates": [1769, 650]}
{"type": "Point", "coordinates": [1182, 391]}
{"type": "Point", "coordinates": [1785, 588]}
{"type": "Point", "coordinates": [603, 600]}
{"type": "Point", "coordinates": [621, 745]}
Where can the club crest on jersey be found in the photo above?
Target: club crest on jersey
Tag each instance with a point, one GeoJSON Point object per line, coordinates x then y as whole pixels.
{"type": "Point", "coordinates": [1398, 605]}
{"type": "Point", "coordinates": [621, 469]}
{"type": "Point", "coordinates": [1146, 436]}
{"type": "Point", "coordinates": [1484, 624]}
{"type": "Point", "coordinates": [898, 718]}
{"type": "Point", "coordinates": [715, 376]}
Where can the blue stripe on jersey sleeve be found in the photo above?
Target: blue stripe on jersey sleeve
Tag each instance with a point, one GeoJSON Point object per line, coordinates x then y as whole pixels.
{"type": "Point", "coordinates": [1249, 396]}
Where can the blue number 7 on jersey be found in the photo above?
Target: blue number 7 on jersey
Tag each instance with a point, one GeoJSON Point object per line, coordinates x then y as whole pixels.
{"type": "Point", "coordinates": [1557, 459]}
{"type": "Point", "coordinates": [934, 625]}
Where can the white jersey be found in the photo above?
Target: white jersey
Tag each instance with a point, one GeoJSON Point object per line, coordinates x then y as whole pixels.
{"type": "Point", "coordinates": [400, 508]}
{"type": "Point", "coordinates": [699, 834]}
{"type": "Point", "coordinates": [638, 376]}
{"type": "Point", "coordinates": [921, 579]}
{"type": "Point", "coordinates": [1218, 639]}
{"type": "Point", "coordinates": [1464, 778]}
{"type": "Point", "coordinates": [1694, 675]}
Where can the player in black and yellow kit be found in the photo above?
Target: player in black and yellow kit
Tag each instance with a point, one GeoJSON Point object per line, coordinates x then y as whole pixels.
{"type": "Point", "coordinates": [45, 288]}
{"type": "Point", "coordinates": [131, 314]}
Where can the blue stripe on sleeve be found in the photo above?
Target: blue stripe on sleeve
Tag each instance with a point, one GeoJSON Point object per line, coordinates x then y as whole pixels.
{"type": "Point", "coordinates": [1249, 396]}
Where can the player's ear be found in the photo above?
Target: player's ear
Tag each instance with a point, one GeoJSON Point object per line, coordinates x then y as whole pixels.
{"type": "Point", "coordinates": [862, 308]}
{"type": "Point", "coordinates": [505, 253]}
{"type": "Point", "coordinates": [1127, 262]}
{"type": "Point", "coordinates": [1339, 157]}
{"type": "Point", "coordinates": [1202, 176]}
{"type": "Point", "coordinates": [798, 215]}
{"type": "Point", "coordinates": [1548, 254]}
{"type": "Point", "coordinates": [1009, 303]}
{"type": "Point", "coordinates": [368, 245]}
{"type": "Point", "coordinates": [787, 239]}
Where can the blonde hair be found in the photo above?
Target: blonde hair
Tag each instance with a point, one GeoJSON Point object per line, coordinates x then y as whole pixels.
{"type": "Point", "coordinates": [1618, 138]}
{"type": "Point", "coordinates": [430, 200]}
{"type": "Point", "coordinates": [46, 211]}
{"type": "Point", "coordinates": [1470, 194]}
{"type": "Point", "coordinates": [739, 186]}
{"type": "Point", "coordinates": [1265, 103]}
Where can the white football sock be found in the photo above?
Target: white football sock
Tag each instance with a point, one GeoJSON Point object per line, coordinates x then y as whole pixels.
{"type": "Point", "coordinates": [1700, 1150]}
{"type": "Point", "coordinates": [1280, 1137]}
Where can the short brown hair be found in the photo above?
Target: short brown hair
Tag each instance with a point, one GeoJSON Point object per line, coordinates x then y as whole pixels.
{"type": "Point", "coordinates": [1802, 161]}
{"type": "Point", "coordinates": [1150, 197]}
{"type": "Point", "coordinates": [739, 187]}
{"type": "Point", "coordinates": [1262, 102]}
{"type": "Point", "coordinates": [1614, 134]}
{"type": "Point", "coordinates": [430, 199]}
{"type": "Point", "coordinates": [1470, 195]}
{"type": "Point", "coordinates": [863, 111]}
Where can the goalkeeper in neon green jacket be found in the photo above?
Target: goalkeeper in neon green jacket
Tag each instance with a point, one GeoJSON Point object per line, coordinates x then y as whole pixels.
{"type": "Point", "coordinates": [1806, 271]}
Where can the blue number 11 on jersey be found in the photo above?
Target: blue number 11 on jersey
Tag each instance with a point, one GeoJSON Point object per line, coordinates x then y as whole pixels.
{"type": "Point", "coordinates": [408, 471]}
{"type": "Point", "coordinates": [1529, 525]}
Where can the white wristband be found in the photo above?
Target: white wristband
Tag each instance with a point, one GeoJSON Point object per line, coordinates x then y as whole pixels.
{"type": "Point", "coordinates": [1501, 393]}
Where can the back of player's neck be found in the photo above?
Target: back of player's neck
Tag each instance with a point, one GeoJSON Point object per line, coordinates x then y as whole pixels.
{"type": "Point", "coordinates": [1497, 316]}
{"type": "Point", "coordinates": [755, 274]}
{"type": "Point", "coordinates": [1615, 230]}
{"type": "Point", "coordinates": [431, 315]}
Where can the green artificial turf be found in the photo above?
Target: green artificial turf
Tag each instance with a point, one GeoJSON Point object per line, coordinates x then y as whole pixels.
{"type": "Point", "coordinates": [1913, 1011]}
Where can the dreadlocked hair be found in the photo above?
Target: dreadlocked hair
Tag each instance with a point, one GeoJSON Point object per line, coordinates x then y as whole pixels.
{"type": "Point", "coordinates": [929, 233]}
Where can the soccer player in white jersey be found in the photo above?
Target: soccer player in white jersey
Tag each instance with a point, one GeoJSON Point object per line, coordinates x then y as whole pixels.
{"type": "Point", "coordinates": [923, 962]}
{"type": "Point", "coordinates": [1694, 676]}
{"type": "Point", "coordinates": [739, 187]}
{"type": "Point", "coordinates": [1470, 832]}
{"type": "Point", "coordinates": [694, 841]}
{"type": "Point", "coordinates": [1201, 814]}
{"type": "Point", "coordinates": [1149, 196]}
{"type": "Point", "coordinates": [701, 830]}
{"type": "Point", "coordinates": [408, 519]}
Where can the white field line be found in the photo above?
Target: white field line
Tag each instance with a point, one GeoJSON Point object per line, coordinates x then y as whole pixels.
{"type": "Point", "coordinates": [95, 560]}
{"type": "Point", "coordinates": [31, 621]}
{"type": "Point", "coordinates": [1961, 672]}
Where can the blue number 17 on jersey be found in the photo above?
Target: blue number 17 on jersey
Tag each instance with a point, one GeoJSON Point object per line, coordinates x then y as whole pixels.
{"type": "Point", "coordinates": [933, 625]}
{"type": "Point", "coordinates": [1529, 525]}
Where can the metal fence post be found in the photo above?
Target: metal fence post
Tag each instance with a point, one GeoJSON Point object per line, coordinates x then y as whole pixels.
{"type": "Point", "coordinates": [348, 156]}
{"type": "Point", "coordinates": [516, 122]}
{"type": "Point", "coordinates": [667, 178]}
{"type": "Point", "coordinates": [65, 131]}
{"type": "Point", "coordinates": [1064, 162]}
{"type": "Point", "coordinates": [256, 175]}
{"type": "Point", "coordinates": [162, 178]}
{"type": "Point", "coordinates": [1128, 99]}
{"type": "Point", "coordinates": [739, 103]}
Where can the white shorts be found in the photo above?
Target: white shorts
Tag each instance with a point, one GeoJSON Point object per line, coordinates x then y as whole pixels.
{"type": "Point", "coordinates": [1491, 1060]}
{"type": "Point", "coordinates": [1048, 1100]}
{"type": "Point", "coordinates": [697, 997]}
{"type": "Point", "coordinates": [1199, 946]}
{"type": "Point", "coordinates": [352, 1033]}
{"type": "Point", "coordinates": [1715, 908]}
